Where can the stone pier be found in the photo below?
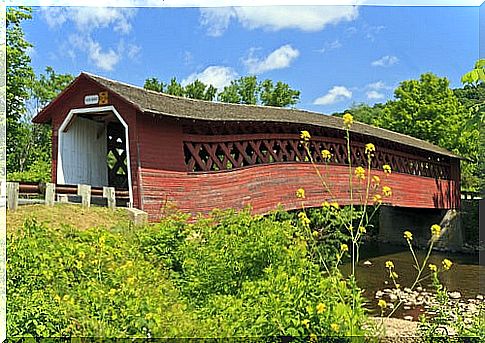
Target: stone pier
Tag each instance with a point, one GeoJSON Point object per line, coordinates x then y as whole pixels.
{"type": "Point", "coordinates": [393, 221]}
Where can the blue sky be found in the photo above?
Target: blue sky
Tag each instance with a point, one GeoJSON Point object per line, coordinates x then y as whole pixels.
{"type": "Point", "coordinates": [335, 55]}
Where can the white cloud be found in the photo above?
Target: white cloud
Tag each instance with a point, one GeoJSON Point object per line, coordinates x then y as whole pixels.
{"type": "Point", "coordinates": [87, 19]}
{"type": "Point", "coordinates": [374, 95]}
{"type": "Point", "coordinates": [330, 46]}
{"type": "Point", "coordinates": [105, 60]}
{"type": "Point", "coordinates": [336, 94]}
{"type": "Point", "coordinates": [217, 76]}
{"type": "Point", "coordinates": [274, 18]}
{"type": "Point", "coordinates": [278, 59]}
{"type": "Point", "coordinates": [385, 61]}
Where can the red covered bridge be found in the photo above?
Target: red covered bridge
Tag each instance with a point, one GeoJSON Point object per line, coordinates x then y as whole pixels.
{"type": "Point", "coordinates": [203, 155]}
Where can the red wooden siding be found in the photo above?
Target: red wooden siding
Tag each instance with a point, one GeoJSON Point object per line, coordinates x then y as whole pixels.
{"type": "Point", "coordinates": [265, 186]}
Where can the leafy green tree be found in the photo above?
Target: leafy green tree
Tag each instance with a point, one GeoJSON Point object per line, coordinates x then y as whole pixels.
{"type": "Point", "coordinates": [199, 90]}
{"type": "Point", "coordinates": [279, 95]}
{"type": "Point", "coordinates": [175, 88]}
{"type": "Point", "coordinates": [154, 85]}
{"type": "Point", "coordinates": [473, 96]}
{"type": "Point", "coordinates": [33, 141]}
{"type": "Point", "coordinates": [245, 90]}
{"type": "Point", "coordinates": [428, 109]}
{"type": "Point", "coordinates": [364, 113]}
{"type": "Point", "coordinates": [242, 91]}
{"type": "Point", "coordinates": [19, 76]}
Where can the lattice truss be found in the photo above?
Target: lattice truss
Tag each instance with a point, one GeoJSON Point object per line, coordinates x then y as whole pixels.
{"type": "Point", "coordinates": [213, 155]}
{"type": "Point", "coordinates": [117, 166]}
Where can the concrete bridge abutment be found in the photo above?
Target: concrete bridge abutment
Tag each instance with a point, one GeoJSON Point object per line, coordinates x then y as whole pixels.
{"type": "Point", "coordinates": [393, 221]}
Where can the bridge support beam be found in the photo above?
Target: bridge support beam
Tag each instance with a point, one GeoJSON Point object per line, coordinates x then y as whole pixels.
{"type": "Point", "coordinates": [393, 221]}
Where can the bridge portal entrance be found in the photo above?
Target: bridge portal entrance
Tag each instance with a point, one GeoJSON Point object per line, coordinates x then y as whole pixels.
{"type": "Point", "coordinates": [93, 150]}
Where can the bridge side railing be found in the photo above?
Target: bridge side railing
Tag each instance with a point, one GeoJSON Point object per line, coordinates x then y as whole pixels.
{"type": "Point", "coordinates": [206, 153]}
{"type": "Point", "coordinates": [22, 193]}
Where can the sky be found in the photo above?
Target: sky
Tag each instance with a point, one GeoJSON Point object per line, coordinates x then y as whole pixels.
{"type": "Point", "coordinates": [336, 56]}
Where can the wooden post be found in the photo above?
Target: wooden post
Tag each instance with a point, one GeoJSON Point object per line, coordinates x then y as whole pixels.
{"type": "Point", "coordinates": [109, 194]}
{"type": "Point", "coordinates": [12, 195]}
{"type": "Point", "coordinates": [85, 192]}
{"type": "Point", "coordinates": [50, 193]}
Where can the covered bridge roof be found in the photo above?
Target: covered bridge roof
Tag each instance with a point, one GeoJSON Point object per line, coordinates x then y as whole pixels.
{"type": "Point", "coordinates": [173, 106]}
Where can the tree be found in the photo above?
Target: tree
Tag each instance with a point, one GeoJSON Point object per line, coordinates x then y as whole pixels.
{"type": "Point", "coordinates": [32, 153]}
{"type": "Point", "coordinates": [19, 76]}
{"type": "Point", "coordinates": [242, 91]}
{"type": "Point", "coordinates": [473, 96]}
{"type": "Point", "coordinates": [199, 90]}
{"type": "Point", "coordinates": [280, 95]}
{"type": "Point", "coordinates": [428, 109]}
{"type": "Point", "coordinates": [364, 113]}
{"type": "Point", "coordinates": [154, 85]}
{"type": "Point", "coordinates": [175, 88]}
{"type": "Point", "coordinates": [245, 90]}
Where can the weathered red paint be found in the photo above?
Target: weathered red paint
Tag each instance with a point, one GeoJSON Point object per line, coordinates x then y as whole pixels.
{"type": "Point", "coordinates": [264, 187]}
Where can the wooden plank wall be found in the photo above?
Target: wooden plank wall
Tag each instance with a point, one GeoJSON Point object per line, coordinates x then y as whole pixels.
{"type": "Point", "coordinates": [265, 186]}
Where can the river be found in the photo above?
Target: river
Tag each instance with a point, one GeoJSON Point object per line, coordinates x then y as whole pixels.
{"type": "Point", "coordinates": [464, 275]}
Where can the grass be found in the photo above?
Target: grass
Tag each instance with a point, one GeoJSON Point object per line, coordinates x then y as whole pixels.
{"type": "Point", "coordinates": [67, 215]}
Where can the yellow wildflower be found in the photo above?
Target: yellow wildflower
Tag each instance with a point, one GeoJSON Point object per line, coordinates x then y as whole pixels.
{"type": "Point", "coordinates": [382, 304]}
{"type": "Point", "coordinates": [344, 247]}
{"type": "Point", "coordinates": [305, 135]}
{"type": "Point", "coordinates": [326, 154]}
{"type": "Point", "coordinates": [320, 308]}
{"type": "Point", "coordinates": [394, 275]}
{"type": "Point", "coordinates": [348, 120]}
{"type": "Point", "coordinates": [435, 230]}
{"type": "Point", "coordinates": [369, 148]}
{"type": "Point", "coordinates": [81, 254]}
{"type": "Point", "coordinates": [306, 323]}
{"type": "Point", "coordinates": [315, 234]}
{"type": "Point", "coordinates": [303, 218]}
{"type": "Point", "coordinates": [335, 205]}
{"type": "Point", "coordinates": [377, 199]}
{"type": "Point", "coordinates": [362, 229]}
{"type": "Point", "coordinates": [326, 204]}
{"type": "Point", "coordinates": [376, 179]}
{"type": "Point", "coordinates": [360, 173]}
{"type": "Point", "coordinates": [386, 168]}
{"type": "Point", "coordinates": [335, 327]}
{"type": "Point", "coordinates": [300, 193]}
{"type": "Point", "coordinates": [408, 235]}
{"type": "Point", "coordinates": [112, 292]}
{"type": "Point", "coordinates": [386, 190]}
{"type": "Point", "coordinates": [433, 267]}
{"type": "Point", "coordinates": [447, 264]}
{"type": "Point", "coordinates": [313, 337]}
{"type": "Point", "coordinates": [389, 264]}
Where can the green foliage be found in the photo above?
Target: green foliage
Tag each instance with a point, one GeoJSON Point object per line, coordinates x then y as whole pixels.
{"type": "Point", "coordinates": [39, 171]}
{"type": "Point", "coordinates": [19, 76]}
{"type": "Point", "coordinates": [175, 88]}
{"type": "Point", "coordinates": [245, 90]}
{"type": "Point", "coordinates": [476, 75]}
{"type": "Point", "coordinates": [198, 90]}
{"type": "Point", "coordinates": [154, 85]}
{"type": "Point", "coordinates": [279, 95]}
{"type": "Point", "coordinates": [90, 283]}
{"type": "Point", "coordinates": [230, 274]}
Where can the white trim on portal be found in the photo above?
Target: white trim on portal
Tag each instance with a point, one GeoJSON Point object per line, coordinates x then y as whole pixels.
{"type": "Point", "coordinates": [67, 120]}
